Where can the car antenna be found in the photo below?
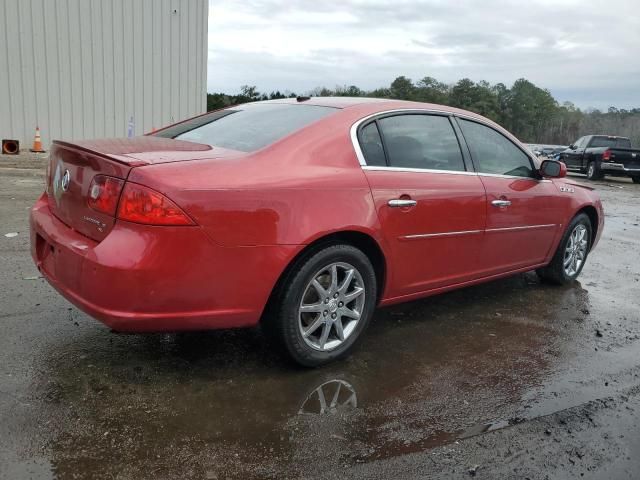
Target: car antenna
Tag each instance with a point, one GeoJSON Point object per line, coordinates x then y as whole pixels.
{"type": "Point", "coordinates": [303, 99]}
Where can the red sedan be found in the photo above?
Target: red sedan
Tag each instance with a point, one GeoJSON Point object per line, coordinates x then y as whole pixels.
{"type": "Point", "coordinates": [303, 214]}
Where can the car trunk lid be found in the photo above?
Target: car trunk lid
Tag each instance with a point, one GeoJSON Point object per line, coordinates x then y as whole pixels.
{"type": "Point", "coordinates": [73, 166]}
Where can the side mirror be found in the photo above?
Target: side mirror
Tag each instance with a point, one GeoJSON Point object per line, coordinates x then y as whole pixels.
{"type": "Point", "coordinates": [553, 169]}
{"type": "Point", "coordinates": [572, 146]}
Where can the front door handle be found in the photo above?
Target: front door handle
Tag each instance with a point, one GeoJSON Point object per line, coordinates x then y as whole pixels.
{"type": "Point", "coordinates": [501, 203]}
{"type": "Point", "coordinates": [401, 203]}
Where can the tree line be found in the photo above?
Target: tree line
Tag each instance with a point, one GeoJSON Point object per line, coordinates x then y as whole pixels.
{"type": "Point", "coordinates": [528, 111]}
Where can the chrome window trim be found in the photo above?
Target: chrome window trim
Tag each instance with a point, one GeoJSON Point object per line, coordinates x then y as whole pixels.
{"type": "Point", "coordinates": [527, 153]}
{"type": "Point", "coordinates": [498, 175]}
{"type": "Point", "coordinates": [449, 172]}
{"type": "Point", "coordinates": [416, 170]}
{"type": "Point", "coordinates": [471, 232]}
{"type": "Point", "coordinates": [361, 160]}
{"type": "Point", "coordinates": [354, 127]}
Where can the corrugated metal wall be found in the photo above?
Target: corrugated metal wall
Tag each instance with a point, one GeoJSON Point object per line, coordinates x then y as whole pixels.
{"type": "Point", "coordinates": [82, 68]}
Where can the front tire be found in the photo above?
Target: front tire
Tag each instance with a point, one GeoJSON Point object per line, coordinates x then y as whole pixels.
{"type": "Point", "coordinates": [324, 305]}
{"type": "Point", "coordinates": [572, 252]}
{"type": "Point", "coordinates": [593, 172]}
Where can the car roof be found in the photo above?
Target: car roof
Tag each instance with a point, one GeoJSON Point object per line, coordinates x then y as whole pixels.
{"type": "Point", "coordinates": [335, 102]}
{"type": "Point", "coordinates": [370, 105]}
{"type": "Point", "coordinates": [609, 136]}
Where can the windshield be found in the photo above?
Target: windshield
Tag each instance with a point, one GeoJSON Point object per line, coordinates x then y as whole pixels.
{"type": "Point", "coordinates": [247, 127]}
{"type": "Point", "coordinates": [614, 142]}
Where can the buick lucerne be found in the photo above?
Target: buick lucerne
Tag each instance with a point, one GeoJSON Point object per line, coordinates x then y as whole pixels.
{"type": "Point", "coordinates": [302, 215]}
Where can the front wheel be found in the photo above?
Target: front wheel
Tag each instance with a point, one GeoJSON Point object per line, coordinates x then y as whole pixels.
{"type": "Point", "coordinates": [571, 255]}
{"type": "Point", "coordinates": [324, 305]}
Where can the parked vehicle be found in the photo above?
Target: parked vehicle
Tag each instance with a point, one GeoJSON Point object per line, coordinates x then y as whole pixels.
{"type": "Point", "coordinates": [600, 155]}
{"type": "Point", "coordinates": [551, 152]}
{"type": "Point", "coordinates": [546, 151]}
{"type": "Point", "coordinates": [303, 215]}
{"type": "Point", "coordinates": [537, 151]}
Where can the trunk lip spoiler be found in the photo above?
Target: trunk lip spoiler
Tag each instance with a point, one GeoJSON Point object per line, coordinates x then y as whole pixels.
{"type": "Point", "coordinates": [123, 159]}
{"type": "Point", "coordinates": [129, 159]}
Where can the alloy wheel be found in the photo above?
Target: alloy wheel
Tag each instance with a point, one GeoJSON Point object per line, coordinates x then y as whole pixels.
{"type": "Point", "coordinates": [576, 250]}
{"type": "Point", "coordinates": [331, 306]}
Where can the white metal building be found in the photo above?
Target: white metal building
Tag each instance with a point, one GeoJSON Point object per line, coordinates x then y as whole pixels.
{"type": "Point", "coordinates": [82, 68]}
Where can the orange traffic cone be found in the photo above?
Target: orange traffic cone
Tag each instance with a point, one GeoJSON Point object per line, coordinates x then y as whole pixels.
{"type": "Point", "coordinates": [37, 142]}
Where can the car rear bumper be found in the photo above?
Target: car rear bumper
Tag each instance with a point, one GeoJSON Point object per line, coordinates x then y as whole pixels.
{"type": "Point", "coordinates": [619, 167]}
{"type": "Point", "coordinates": [144, 278]}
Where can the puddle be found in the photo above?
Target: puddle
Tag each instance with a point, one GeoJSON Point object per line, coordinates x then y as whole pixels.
{"type": "Point", "coordinates": [427, 374]}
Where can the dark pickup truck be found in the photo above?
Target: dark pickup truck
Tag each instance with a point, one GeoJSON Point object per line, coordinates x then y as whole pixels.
{"type": "Point", "coordinates": [600, 155]}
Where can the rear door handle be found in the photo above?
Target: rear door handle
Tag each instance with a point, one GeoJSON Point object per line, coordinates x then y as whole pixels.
{"type": "Point", "coordinates": [401, 203]}
{"type": "Point", "coordinates": [501, 203]}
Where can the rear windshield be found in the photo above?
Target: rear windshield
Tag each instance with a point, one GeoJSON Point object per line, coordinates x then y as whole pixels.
{"type": "Point", "coordinates": [612, 142]}
{"type": "Point", "coordinates": [248, 127]}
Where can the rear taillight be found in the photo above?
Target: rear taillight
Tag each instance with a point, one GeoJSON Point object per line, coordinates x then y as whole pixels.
{"type": "Point", "coordinates": [104, 193]}
{"type": "Point", "coordinates": [140, 204]}
{"type": "Point", "coordinates": [606, 155]}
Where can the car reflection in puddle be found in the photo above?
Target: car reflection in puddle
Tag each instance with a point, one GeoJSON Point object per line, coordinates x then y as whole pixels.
{"type": "Point", "coordinates": [340, 395]}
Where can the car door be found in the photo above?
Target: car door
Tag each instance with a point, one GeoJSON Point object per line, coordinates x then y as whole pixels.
{"type": "Point", "coordinates": [523, 210]}
{"type": "Point", "coordinates": [572, 157]}
{"type": "Point", "coordinates": [431, 207]}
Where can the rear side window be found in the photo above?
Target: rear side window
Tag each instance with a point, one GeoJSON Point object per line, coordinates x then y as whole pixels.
{"type": "Point", "coordinates": [371, 144]}
{"type": "Point", "coordinates": [421, 141]}
{"type": "Point", "coordinates": [493, 152]}
{"type": "Point", "coordinates": [248, 127]}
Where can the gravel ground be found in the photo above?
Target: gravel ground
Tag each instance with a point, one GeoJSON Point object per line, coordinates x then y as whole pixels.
{"type": "Point", "coordinates": [511, 379]}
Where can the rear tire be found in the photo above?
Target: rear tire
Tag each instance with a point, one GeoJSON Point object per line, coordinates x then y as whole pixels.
{"type": "Point", "coordinates": [636, 179]}
{"type": "Point", "coordinates": [593, 172]}
{"type": "Point", "coordinates": [572, 252]}
{"type": "Point", "coordinates": [312, 315]}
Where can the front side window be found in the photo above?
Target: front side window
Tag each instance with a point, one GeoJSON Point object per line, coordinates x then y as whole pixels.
{"type": "Point", "coordinates": [493, 152]}
{"type": "Point", "coordinates": [247, 127]}
{"type": "Point", "coordinates": [421, 141]}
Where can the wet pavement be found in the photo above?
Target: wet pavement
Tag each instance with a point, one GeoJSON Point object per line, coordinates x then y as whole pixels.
{"type": "Point", "coordinates": [509, 379]}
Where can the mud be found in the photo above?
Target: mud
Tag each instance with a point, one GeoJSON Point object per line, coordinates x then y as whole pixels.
{"type": "Point", "coordinates": [511, 379]}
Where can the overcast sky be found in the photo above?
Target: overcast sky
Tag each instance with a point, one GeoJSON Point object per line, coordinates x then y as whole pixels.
{"type": "Point", "coordinates": [584, 51]}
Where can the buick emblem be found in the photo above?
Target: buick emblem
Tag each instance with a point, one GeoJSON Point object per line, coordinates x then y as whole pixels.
{"type": "Point", "coordinates": [66, 178]}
